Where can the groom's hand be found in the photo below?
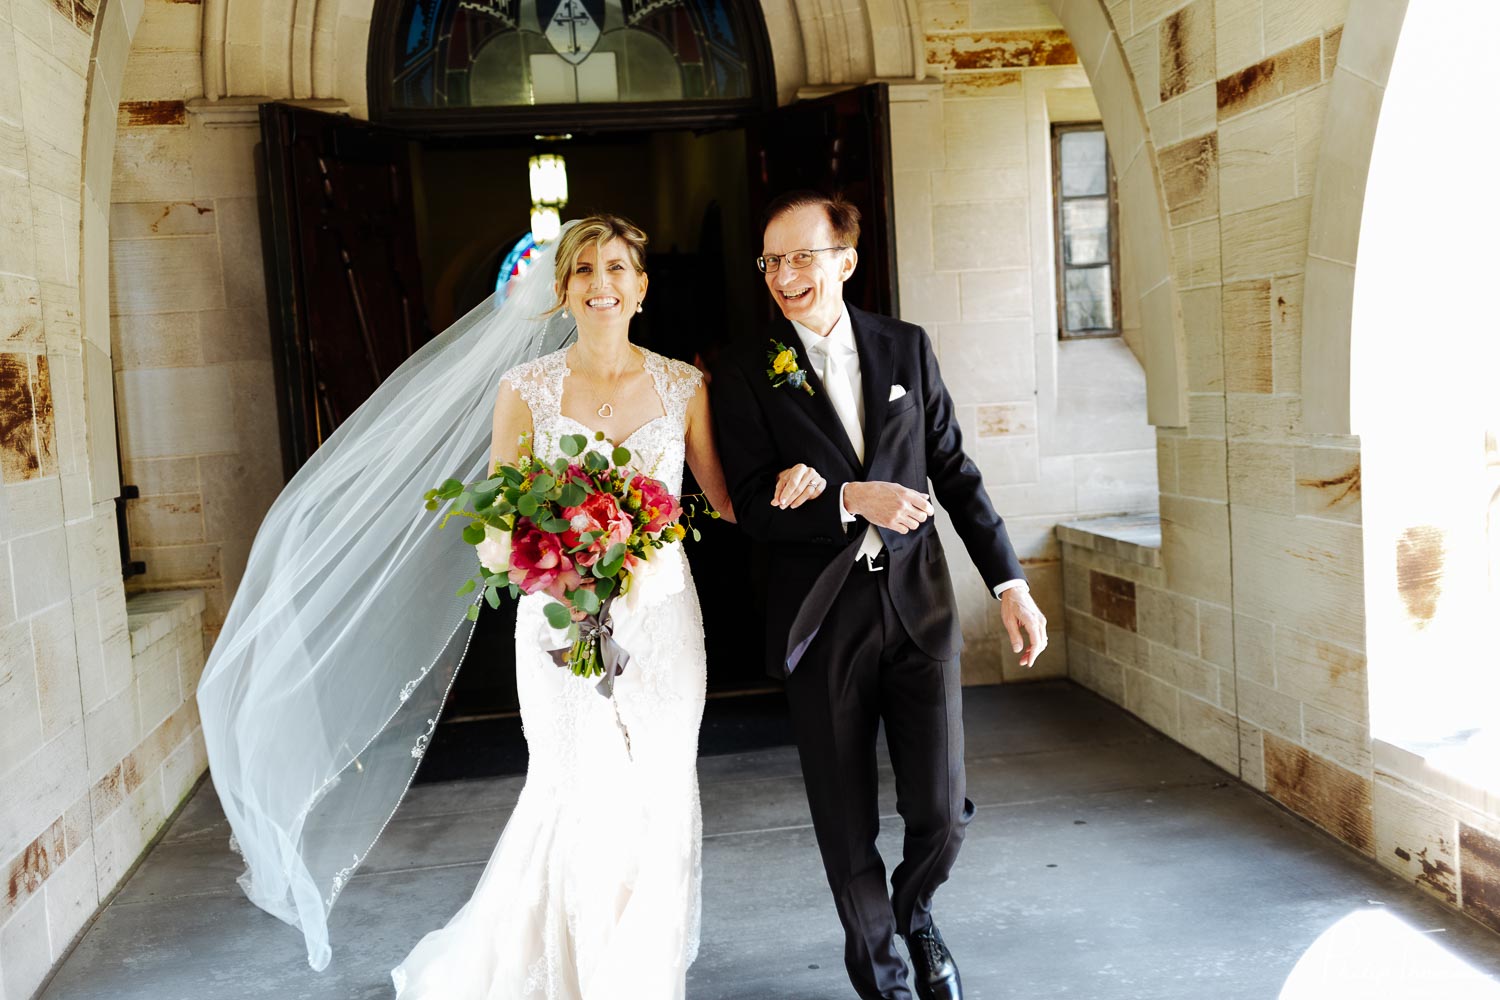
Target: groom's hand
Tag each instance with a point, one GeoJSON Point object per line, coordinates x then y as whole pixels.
{"type": "Point", "coordinates": [1020, 613]}
{"type": "Point", "coordinates": [889, 505]}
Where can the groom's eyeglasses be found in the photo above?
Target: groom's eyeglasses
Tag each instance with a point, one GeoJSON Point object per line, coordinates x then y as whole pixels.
{"type": "Point", "coordinates": [796, 260]}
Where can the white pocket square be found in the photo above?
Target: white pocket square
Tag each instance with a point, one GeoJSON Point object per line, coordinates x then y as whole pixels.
{"type": "Point", "coordinates": [897, 391]}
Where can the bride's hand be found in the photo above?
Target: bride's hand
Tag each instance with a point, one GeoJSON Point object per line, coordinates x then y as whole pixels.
{"type": "Point", "coordinates": [796, 486]}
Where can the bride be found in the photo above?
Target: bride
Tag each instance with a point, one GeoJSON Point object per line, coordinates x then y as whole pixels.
{"type": "Point", "coordinates": [336, 656]}
{"type": "Point", "coordinates": [593, 890]}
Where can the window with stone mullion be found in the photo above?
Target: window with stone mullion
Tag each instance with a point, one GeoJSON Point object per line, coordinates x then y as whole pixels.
{"type": "Point", "coordinates": [1086, 231]}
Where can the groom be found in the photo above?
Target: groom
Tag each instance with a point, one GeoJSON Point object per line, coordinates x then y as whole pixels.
{"type": "Point", "coordinates": [861, 616]}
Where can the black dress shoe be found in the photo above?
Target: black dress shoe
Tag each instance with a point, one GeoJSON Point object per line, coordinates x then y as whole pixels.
{"type": "Point", "coordinates": [934, 973]}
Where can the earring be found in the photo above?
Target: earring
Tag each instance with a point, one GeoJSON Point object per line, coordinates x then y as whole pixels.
{"type": "Point", "coordinates": [640, 307]}
{"type": "Point", "coordinates": [564, 314]}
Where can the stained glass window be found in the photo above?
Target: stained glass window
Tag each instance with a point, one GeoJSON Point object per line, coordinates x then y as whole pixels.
{"type": "Point", "coordinates": [514, 53]}
{"type": "Point", "coordinates": [516, 262]}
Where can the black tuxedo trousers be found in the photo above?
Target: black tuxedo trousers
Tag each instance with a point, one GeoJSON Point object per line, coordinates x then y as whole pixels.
{"type": "Point", "coordinates": [862, 668]}
{"type": "Point", "coordinates": [856, 647]}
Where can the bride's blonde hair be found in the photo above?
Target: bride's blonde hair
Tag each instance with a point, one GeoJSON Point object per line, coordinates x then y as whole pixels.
{"type": "Point", "coordinates": [599, 230]}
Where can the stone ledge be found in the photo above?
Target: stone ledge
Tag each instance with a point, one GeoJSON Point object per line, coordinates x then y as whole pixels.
{"type": "Point", "coordinates": [1133, 537]}
{"type": "Point", "coordinates": [153, 614]}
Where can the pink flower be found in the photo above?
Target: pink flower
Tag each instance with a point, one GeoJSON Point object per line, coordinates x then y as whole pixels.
{"type": "Point", "coordinates": [659, 505]}
{"type": "Point", "coordinates": [599, 512]}
{"type": "Point", "coordinates": [538, 559]}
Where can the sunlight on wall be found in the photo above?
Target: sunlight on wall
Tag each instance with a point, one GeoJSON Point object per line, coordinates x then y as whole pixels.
{"type": "Point", "coordinates": [1373, 953]}
{"type": "Point", "coordinates": [1424, 393]}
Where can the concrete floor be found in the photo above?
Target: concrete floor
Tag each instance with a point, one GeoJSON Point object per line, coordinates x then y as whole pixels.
{"type": "Point", "coordinates": [1105, 862]}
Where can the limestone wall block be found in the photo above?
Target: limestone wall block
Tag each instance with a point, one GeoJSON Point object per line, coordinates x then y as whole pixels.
{"type": "Point", "coordinates": [1291, 21]}
{"type": "Point", "coordinates": [1145, 13]}
{"type": "Point", "coordinates": [152, 164]}
{"type": "Point", "coordinates": [983, 133]}
{"type": "Point", "coordinates": [1201, 468]}
{"type": "Point", "coordinates": [72, 896]}
{"type": "Point", "coordinates": [57, 680]}
{"type": "Point", "coordinates": [156, 340]}
{"type": "Point", "coordinates": [1239, 34]}
{"type": "Point", "coordinates": [1416, 840]}
{"type": "Point", "coordinates": [1285, 72]}
{"type": "Point", "coordinates": [1195, 547]}
{"type": "Point", "coordinates": [1322, 673]}
{"type": "Point", "coordinates": [1262, 476]}
{"type": "Point", "coordinates": [1210, 731]}
{"type": "Point", "coordinates": [41, 561]}
{"type": "Point", "coordinates": [1344, 157]}
{"type": "Point", "coordinates": [1257, 154]}
{"type": "Point", "coordinates": [1216, 635]}
{"type": "Point", "coordinates": [198, 421]}
{"type": "Point", "coordinates": [986, 362]}
{"type": "Point", "coordinates": [53, 107]}
{"type": "Point", "coordinates": [1114, 482]}
{"type": "Point", "coordinates": [1166, 464]}
{"type": "Point", "coordinates": [1334, 798]}
{"type": "Point", "coordinates": [1341, 740]}
{"type": "Point", "coordinates": [1266, 241]}
{"type": "Point", "coordinates": [1187, 47]}
{"type": "Point", "coordinates": [27, 954]}
{"type": "Point", "coordinates": [929, 299]}
{"type": "Point", "coordinates": [1196, 255]}
{"type": "Point", "coordinates": [991, 294]}
{"type": "Point", "coordinates": [1303, 574]}
{"type": "Point", "coordinates": [1143, 56]}
{"type": "Point", "coordinates": [1328, 483]}
{"type": "Point", "coordinates": [1154, 701]}
{"type": "Point", "coordinates": [1184, 671]}
{"type": "Point", "coordinates": [1167, 618]}
{"type": "Point", "coordinates": [1190, 178]}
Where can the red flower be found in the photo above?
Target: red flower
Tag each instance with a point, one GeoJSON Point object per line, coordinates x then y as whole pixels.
{"type": "Point", "coordinates": [600, 513]}
{"type": "Point", "coordinates": [657, 502]}
{"type": "Point", "coordinates": [539, 560]}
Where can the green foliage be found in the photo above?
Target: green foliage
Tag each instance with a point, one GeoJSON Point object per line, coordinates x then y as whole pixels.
{"type": "Point", "coordinates": [621, 456]}
{"type": "Point", "coordinates": [467, 588]}
{"type": "Point", "coordinates": [557, 615]}
{"type": "Point", "coordinates": [473, 533]}
{"type": "Point", "coordinates": [572, 444]}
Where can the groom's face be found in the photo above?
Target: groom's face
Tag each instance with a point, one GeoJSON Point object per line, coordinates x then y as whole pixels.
{"type": "Point", "coordinates": [812, 295]}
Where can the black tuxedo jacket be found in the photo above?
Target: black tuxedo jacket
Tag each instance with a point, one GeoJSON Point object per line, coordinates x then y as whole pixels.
{"type": "Point", "coordinates": [912, 440]}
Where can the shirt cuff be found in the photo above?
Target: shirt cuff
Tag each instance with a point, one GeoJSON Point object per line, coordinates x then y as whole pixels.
{"type": "Point", "coordinates": [844, 514]}
{"type": "Point", "coordinates": [1001, 588]}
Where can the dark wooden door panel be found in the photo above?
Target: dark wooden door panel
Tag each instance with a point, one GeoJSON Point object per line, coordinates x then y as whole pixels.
{"type": "Point", "coordinates": [348, 286]}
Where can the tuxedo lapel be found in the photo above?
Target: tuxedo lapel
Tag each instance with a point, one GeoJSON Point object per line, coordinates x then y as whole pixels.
{"type": "Point", "coordinates": [822, 410]}
{"type": "Point", "coordinates": [875, 376]}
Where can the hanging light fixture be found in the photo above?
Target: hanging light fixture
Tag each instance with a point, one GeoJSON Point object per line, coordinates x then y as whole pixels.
{"type": "Point", "coordinates": [549, 193]}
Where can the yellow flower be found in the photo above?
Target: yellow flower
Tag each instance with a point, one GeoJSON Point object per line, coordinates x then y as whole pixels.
{"type": "Point", "coordinates": [785, 362]}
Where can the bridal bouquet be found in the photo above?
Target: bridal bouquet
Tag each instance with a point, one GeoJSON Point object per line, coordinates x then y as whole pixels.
{"type": "Point", "coordinates": [583, 529]}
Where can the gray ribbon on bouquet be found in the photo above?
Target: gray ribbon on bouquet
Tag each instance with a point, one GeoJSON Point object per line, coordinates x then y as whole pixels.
{"type": "Point", "coordinates": [613, 656]}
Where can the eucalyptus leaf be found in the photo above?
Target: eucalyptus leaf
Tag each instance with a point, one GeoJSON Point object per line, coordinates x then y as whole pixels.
{"type": "Point", "coordinates": [557, 615]}
{"type": "Point", "coordinates": [572, 495]}
{"type": "Point", "coordinates": [467, 588]}
{"type": "Point", "coordinates": [556, 525]}
{"type": "Point", "coordinates": [472, 613]}
{"type": "Point", "coordinates": [603, 589]}
{"type": "Point", "coordinates": [543, 483]}
{"type": "Point", "coordinates": [595, 462]}
{"type": "Point", "coordinates": [492, 597]}
{"type": "Point", "coordinates": [587, 600]}
{"type": "Point", "coordinates": [473, 533]}
{"type": "Point", "coordinates": [528, 505]}
{"type": "Point", "coordinates": [621, 456]}
{"type": "Point", "coordinates": [572, 444]}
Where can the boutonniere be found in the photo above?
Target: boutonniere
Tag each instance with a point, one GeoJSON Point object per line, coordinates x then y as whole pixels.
{"type": "Point", "coordinates": [783, 368]}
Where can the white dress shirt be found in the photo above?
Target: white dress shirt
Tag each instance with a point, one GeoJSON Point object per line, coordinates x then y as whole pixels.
{"type": "Point", "coordinates": [839, 346]}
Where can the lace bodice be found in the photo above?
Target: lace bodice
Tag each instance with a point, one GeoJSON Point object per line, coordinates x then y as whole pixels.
{"type": "Point", "coordinates": [657, 447]}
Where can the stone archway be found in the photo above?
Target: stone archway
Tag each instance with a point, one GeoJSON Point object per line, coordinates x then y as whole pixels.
{"type": "Point", "coordinates": [1359, 77]}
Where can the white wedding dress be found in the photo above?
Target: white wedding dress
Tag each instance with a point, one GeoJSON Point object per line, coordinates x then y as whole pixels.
{"type": "Point", "coordinates": [593, 892]}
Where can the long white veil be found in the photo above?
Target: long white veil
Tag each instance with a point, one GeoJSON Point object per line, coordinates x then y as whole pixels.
{"type": "Point", "coordinates": [344, 636]}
